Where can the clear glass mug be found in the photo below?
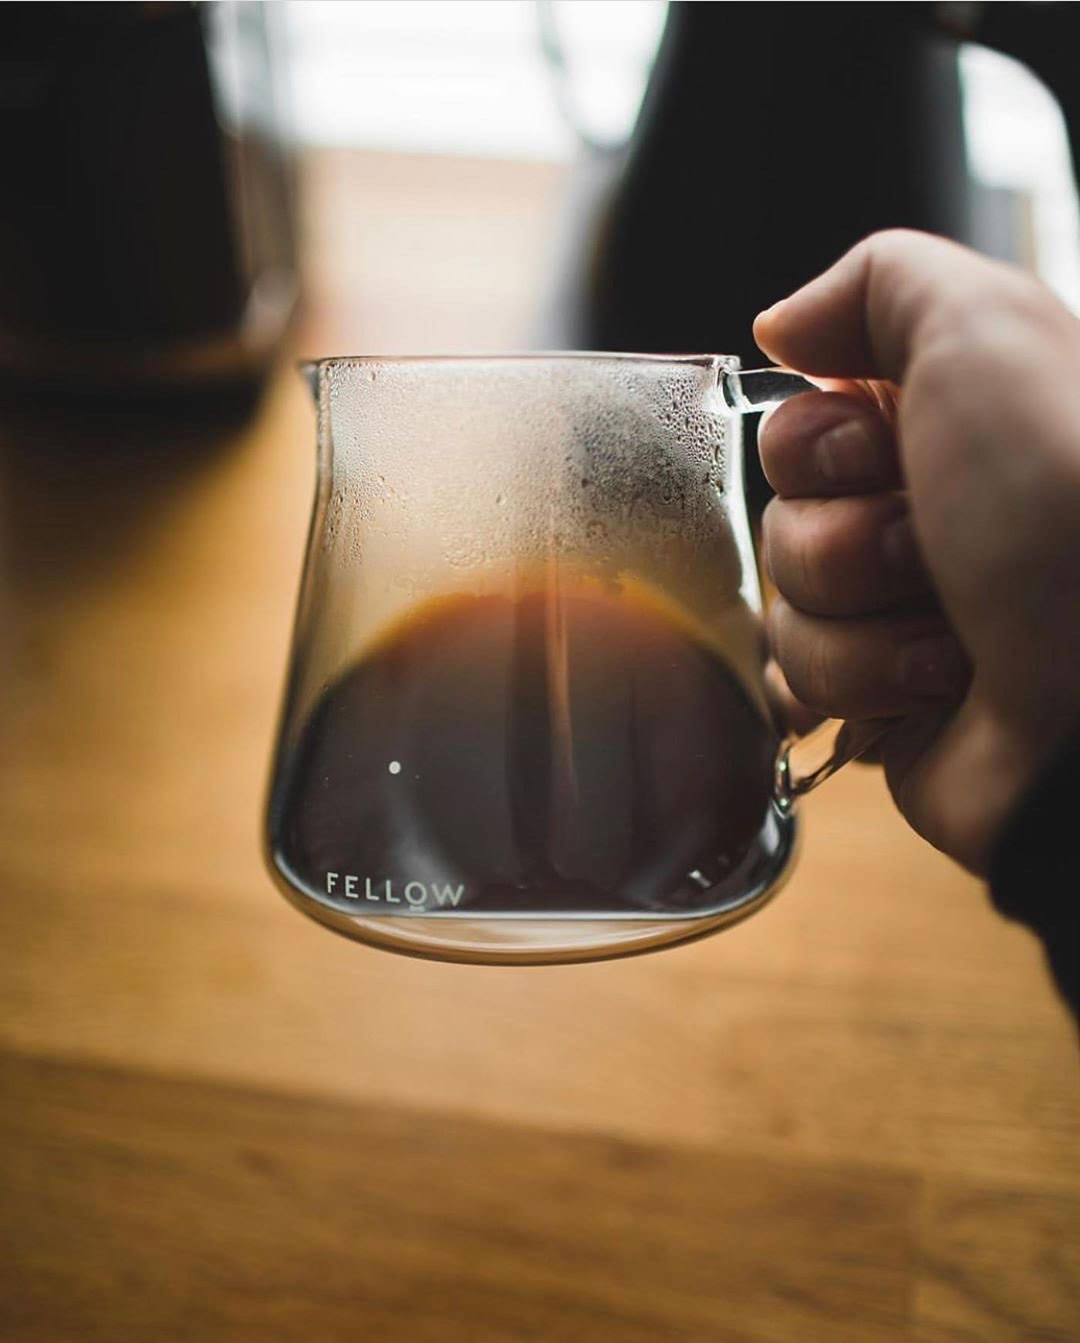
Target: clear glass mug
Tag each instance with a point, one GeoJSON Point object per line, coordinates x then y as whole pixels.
{"type": "Point", "coordinates": [526, 719]}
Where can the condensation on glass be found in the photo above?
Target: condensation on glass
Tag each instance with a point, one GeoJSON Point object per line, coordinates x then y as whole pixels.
{"type": "Point", "coordinates": [526, 717]}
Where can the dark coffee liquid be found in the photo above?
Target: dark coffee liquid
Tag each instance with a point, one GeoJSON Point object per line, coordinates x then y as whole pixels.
{"type": "Point", "coordinates": [566, 750]}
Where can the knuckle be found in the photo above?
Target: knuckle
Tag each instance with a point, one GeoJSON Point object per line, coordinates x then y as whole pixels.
{"type": "Point", "coordinates": [771, 521]}
{"type": "Point", "coordinates": [1024, 297]}
{"type": "Point", "coordinates": [803, 653]}
{"type": "Point", "coordinates": [888, 242]}
{"type": "Point", "coordinates": [968, 339]}
{"type": "Point", "coordinates": [884, 242]}
{"type": "Point", "coordinates": [820, 672]}
{"type": "Point", "coordinates": [891, 250]}
{"type": "Point", "coordinates": [801, 553]}
{"type": "Point", "coordinates": [810, 557]}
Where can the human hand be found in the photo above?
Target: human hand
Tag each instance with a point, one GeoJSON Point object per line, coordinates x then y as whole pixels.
{"type": "Point", "coordinates": [926, 545]}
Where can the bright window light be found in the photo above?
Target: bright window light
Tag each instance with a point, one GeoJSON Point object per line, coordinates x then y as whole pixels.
{"type": "Point", "coordinates": [466, 77]}
{"type": "Point", "coordinates": [1016, 139]}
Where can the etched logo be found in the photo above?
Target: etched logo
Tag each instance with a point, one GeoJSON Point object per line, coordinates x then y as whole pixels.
{"type": "Point", "coordinates": [415, 895]}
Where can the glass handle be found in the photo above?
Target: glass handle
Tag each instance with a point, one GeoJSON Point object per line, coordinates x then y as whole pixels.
{"type": "Point", "coordinates": [804, 762]}
{"type": "Point", "coordinates": [748, 391]}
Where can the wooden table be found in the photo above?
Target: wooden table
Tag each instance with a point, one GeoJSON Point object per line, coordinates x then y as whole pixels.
{"type": "Point", "coordinates": [853, 1118]}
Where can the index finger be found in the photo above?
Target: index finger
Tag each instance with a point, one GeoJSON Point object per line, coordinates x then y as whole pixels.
{"type": "Point", "coordinates": [865, 316]}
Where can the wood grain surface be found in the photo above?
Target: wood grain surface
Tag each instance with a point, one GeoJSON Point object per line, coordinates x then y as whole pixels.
{"type": "Point", "coordinates": [852, 1118]}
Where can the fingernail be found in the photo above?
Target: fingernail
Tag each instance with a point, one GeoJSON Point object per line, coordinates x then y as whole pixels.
{"type": "Point", "coordinates": [931, 667]}
{"type": "Point", "coordinates": [845, 453]}
{"type": "Point", "coordinates": [899, 547]}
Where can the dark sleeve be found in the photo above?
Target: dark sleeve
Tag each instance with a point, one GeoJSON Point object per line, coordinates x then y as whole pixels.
{"type": "Point", "coordinates": [1035, 869]}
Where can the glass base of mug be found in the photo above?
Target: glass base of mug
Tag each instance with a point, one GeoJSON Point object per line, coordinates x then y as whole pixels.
{"type": "Point", "coordinates": [560, 938]}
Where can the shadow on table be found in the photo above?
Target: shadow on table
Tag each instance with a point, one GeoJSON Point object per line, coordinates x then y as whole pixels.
{"type": "Point", "coordinates": [81, 480]}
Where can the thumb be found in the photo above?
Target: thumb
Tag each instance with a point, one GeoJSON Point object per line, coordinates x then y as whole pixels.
{"type": "Point", "coordinates": [864, 317]}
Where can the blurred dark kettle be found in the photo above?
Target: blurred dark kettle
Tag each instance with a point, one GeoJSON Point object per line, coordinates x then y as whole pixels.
{"type": "Point", "coordinates": [147, 241]}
